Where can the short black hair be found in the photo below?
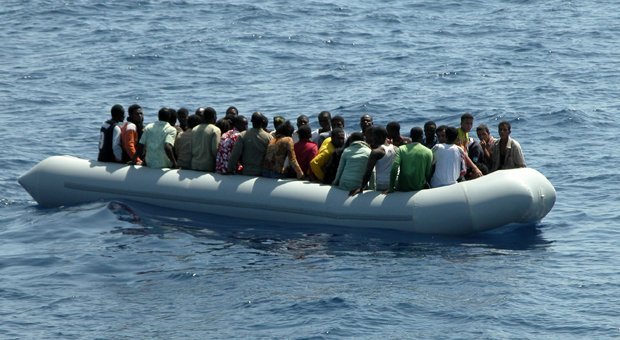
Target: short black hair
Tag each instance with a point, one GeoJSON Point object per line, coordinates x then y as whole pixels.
{"type": "Point", "coordinates": [117, 111]}
{"type": "Point", "coordinates": [304, 132]}
{"type": "Point", "coordinates": [133, 108]}
{"type": "Point", "coordinates": [193, 121]}
{"type": "Point", "coordinates": [451, 134]}
{"type": "Point", "coordinates": [416, 133]}
{"type": "Point", "coordinates": [466, 115]}
{"type": "Point", "coordinates": [285, 129]}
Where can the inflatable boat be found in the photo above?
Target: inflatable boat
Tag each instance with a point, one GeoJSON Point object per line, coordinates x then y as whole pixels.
{"type": "Point", "coordinates": [519, 196]}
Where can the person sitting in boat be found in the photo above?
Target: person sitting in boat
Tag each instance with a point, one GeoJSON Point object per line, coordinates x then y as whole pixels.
{"type": "Point", "coordinates": [352, 164]}
{"type": "Point", "coordinates": [110, 148]}
{"type": "Point", "coordinates": [325, 126]}
{"type": "Point", "coordinates": [131, 132]}
{"type": "Point", "coordinates": [365, 123]}
{"type": "Point", "coordinates": [183, 116]}
{"type": "Point", "coordinates": [277, 122]}
{"type": "Point", "coordinates": [205, 140]}
{"type": "Point", "coordinates": [183, 143]}
{"type": "Point", "coordinates": [301, 121]}
{"type": "Point", "coordinates": [305, 149]}
{"type": "Point", "coordinates": [393, 135]}
{"type": "Point", "coordinates": [331, 167]}
{"type": "Point", "coordinates": [486, 142]}
{"type": "Point", "coordinates": [336, 122]}
{"type": "Point", "coordinates": [411, 170]}
{"type": "Point", "coordinates": [448, 158]}
{"type": "Point", "coordinates": [227, 142]}
{"type": "Point", "coordinates": [280, 151]}
{"type": "Point", "coordinates": [379, 162]}
{"type": "Point", "coordinates": [317, 164]}
{"type": "Point", "coordinates": [467, 122]}
{"type": "Point", "coordinates": [158, 142]}
{"type": "Point", "coordinates": [250, 148]}
{"type": "Point", "coordinates": [475, 154]}
{"type": "Point", "coordinates": [507, 152]}
{"type": "Point", "coordinates": [430, 134]}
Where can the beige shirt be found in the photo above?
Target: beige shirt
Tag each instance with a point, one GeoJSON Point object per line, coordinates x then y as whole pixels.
{"type": "Point", "coordinates": [250, 150]}
{"type": "Point", "coordinates": [205, 140]}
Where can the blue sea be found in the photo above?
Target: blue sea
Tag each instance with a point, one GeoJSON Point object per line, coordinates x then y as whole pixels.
{"type": "Point", "coordinates": [119, 270]}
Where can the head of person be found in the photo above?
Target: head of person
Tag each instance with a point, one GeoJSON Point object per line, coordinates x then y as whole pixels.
{"type": "Point", "coordinates": [441, 133]}
{"type": "Point", "coordinates": [483, 132]}
{"type": "Point", "coordinates": [231, 112]}
{"type": "Point", "coordinates": [302, 120]}
{"type": "Point", "coordinates": [200, 112]}
{"type": "Point", "coordinates": [164, 114]}
{"type": "Point", "coordinates": [265, 122]}
{"type": "Point", "coordinates": [379, 135]}
{"type": "Point", "coordinates": [365, 122]}
{"type": "Point", "coordinates": [451, 134]}
{"type": "Point", "coordinates": [118, 113]}
{"type": "Point", "coordinates": [135, 114]}
{"type": "Point", "coordinates": [173, 117]}
{"type": "Point", "coordinates": [240, 123]}
{"type": "Point", "coordinates": [354, 137]}
{"type": "Point", "coordinates": [182, 116]}
{"type": "Point", "coordinates": [193, 121]}
{"type": "Point", "coordinates": [325, 120]}
{"type": "Point", "coordinates": [223, 124]}
{"type": "Point", "coordinates": [430, 129]}
{"type": "Point", "coordinates": [337, 122]}
{"type": "Point", "coordinates": [338, 137]}
{"type": "Point", "coordinates": [393, 130]}
{"type": "Point", "coordinates": [304, 132]}
{"type": "Point", "coordinates": [277, 121]}
{"type": "Point", "coordinates": [503, 129]}
{"type": "Point", "coordinates": [210, 115]}
{"type": "Point", "coordinates": [285, 129]}
{"type": "Point", "coordinates": [467, 121]}
{"type": "Point", "coordinates": [257, 120]}
{"type": "Point", "coordinates": [416, 134]}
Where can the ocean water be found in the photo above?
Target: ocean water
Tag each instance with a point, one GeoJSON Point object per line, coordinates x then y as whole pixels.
{"type": "Point", "coordinates": [120, 270]}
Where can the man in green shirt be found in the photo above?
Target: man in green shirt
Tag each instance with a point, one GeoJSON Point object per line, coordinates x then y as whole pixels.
{"type": "Point", "coordinates": [411, 169]}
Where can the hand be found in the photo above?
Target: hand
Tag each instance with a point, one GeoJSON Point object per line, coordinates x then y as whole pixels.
{"type": "Point", "coordinates": [388, 191]}
{"type": "Point", "coordinates": [355, 191]}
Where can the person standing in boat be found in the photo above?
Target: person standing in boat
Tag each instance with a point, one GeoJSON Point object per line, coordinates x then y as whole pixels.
{"type": "Point", "coordinates": [205, 140]}
{"type": "Point", "coordinates": [227, 142]}
{"type": "Point", "coordinates": [250, 148]}
{"type": "Point", "coordinates": [352, 163]}
{"type": "Point", "coordinates": [411, 170]}
{"type": "Point", "coordinates": [131, 132]}
{"type": "Point", "coordinates": [507, 152]}
{"type": "Point", "coordinates": [158, 142]}
{"type": "Point", "coordinates": [110, 148]}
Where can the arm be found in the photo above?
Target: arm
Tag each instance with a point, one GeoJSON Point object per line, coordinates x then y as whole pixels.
{"type": "Point", "coordinates": [471, 164]}
{"type": "Point", "coordinates": [235, 155]}
{"type": "Point", "coordinates": [293, 159]}
{"type": "Point", "coordinates": [375, 155]}
{"type": "Point", "coordinates": [341, 164]}
{"type": "Point", "coordinates": [170, 153]}
{"type": "Point", "coordinates": [131, 147]}
{"type": "Point", "coordinates": [517, 156]}
{"type": "Point", "coordinates": [215, 142]}
{"type": "Point", "coordinates": [394, 172]}
{"type": "Point", "coordinates": [117, 149]}
{"type": "Point", "coordinates": [317, 164]}
{"type": "Point", "coordinates": [139, 152]}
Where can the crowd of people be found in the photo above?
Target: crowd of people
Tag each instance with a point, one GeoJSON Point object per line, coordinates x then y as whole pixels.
{"type": "Point", "coordinates": [374, 157]}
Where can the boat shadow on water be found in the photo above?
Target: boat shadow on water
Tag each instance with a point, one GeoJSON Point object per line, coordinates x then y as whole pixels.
{"type": "Point", "coordinates": [302, 239]}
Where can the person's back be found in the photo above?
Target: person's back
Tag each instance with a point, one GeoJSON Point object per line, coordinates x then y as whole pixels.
{"type": "Point", "coordinates": [281, 148]}
{"type": "Point", "coordinates": [158, 139]}
{"type": "Point", "coordinates": [317, 164]}
{"type": "Point", "coordinates": [352, 165]}
{"type": "Point", "coordinates": [183, 143]}
{"type": "Point", "coordinates": [448, 160]}
{"type": "Point", "coordinates": [227, 142]}
{"type": "Point", "coordinates": [250, 148]}
{"type": "Point", "coordinates": [205, 140]}
{"type": "Point", "coordinates": [110, 148]}
{"type": "Point", "coordinates": [412, 165]}
{"type": "Point", "coordinates": [305, 149]}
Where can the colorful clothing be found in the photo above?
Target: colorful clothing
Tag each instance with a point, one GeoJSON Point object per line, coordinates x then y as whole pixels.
{"type": "Point", "coordinates": [317, 164]}
{"type": "Point", "coordinates": [352, 166]}
{"type": "Point", "coordinates": [183, 149]}
{"type": "Point", "coordinates": [250, 149]}
{"type": "Point", "coordinates": [305, 151]}
{"type": "Point", "coordinates": [110, 149]}
{"type": "Point", "coordinates": [411, 168]}
{"type": "Point", "coordinates": [227, 142]}
{"type": "Point", "coordinates": [129, 139]}
{"type": "Point", "coordinates": [205, 140]}
{"type": "Point", "coordinates": [278, 150]}
{"type": "Point", "coordinates": [155, 137]}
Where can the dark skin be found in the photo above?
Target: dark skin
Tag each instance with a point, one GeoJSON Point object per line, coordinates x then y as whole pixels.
{"type": "Point", "coordinates": [169, 152]}
{"type": "Point", "coordinates": [376, 154]}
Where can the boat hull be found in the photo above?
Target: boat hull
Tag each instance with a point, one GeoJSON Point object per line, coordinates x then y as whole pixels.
{"type": "Point", "coordinates": [504, 197]}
